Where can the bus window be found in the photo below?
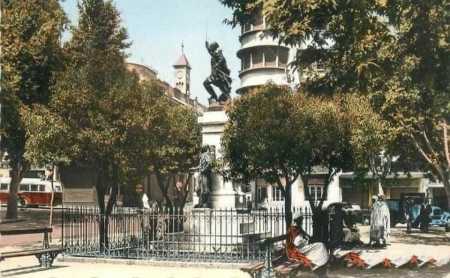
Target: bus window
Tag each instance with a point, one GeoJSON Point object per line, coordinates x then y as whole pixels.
{"type": "Point", "coordinates": [41, 187]}
{"type": "Point", "coordinates": [4, 186]}
{"type": "Point", "coordinates": [24, 187]}
{"type": "Point", "coordinates": [34, 187]}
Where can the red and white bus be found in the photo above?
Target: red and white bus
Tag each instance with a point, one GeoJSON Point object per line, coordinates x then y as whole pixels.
{"type": "Point", "coordinates": [32, 192]}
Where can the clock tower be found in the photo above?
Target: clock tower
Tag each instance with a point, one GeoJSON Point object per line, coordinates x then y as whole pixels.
{"type": "Point", "coordinates": [182, 73]}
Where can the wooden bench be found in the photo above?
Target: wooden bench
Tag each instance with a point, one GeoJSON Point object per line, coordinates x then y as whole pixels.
{"type": "Point", "coordinates": [264, 269]}
{"type": "Point", "coordinates": [45, 255]}
{"type": "Point", "coordinates": [278, 264]}
{"type": "Point", "coordinates": [250, 240]}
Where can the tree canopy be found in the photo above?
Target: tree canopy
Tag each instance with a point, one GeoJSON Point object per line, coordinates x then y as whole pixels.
{"type": "Point", "coordinates": [103, 118]}
{"type": "Point", "coordinates": [30, 58]}
{"type": "Point", "coordinates": [280, 136]}
{"type": "Point", "coordinates": [395, 52]}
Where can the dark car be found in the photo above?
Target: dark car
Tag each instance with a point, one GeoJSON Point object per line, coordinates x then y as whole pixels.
{"type": "Point", "coordinates": [440, 219]}
{"type": "Point", "coordinates": [395, 211]}
{"type": "Point", "coordinates": [397, 207]}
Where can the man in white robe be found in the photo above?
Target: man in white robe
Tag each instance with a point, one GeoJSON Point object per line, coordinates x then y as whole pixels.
{"type": "Point", "coordinates": [380, 226]}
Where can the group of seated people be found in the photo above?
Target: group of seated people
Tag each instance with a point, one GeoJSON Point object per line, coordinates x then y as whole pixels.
{"type": "Point", "coordinates": [299, 245]}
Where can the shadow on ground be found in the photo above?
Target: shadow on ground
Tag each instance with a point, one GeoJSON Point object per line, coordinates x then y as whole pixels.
{"type": "Point", "coordinates": [433, 237]}
{"type": "Point", "coordinates": [26, 270]}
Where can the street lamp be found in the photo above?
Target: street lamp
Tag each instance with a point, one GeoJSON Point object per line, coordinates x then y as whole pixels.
{"type": "Point", "coordinates": [380, 166]}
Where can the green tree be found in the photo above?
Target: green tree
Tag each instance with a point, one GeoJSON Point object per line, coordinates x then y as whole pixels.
{"type": "Point", "coordinates": [280, 136]}
{"type": "Point", "coordinates": [89, 110]}
{"type": "Point", "coordinates": [178, 153]}
{"type": "Point", "coordinates": [169, 149]}
{"type": "Point", "coordinates": [101, 117]}
{"type": "Point", "coordinates": [30, 57]}
{"type": "Point", "coordinates": [395, 52]}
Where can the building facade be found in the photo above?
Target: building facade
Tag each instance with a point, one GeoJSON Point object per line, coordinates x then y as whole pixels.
{"type": "Point", "coordinates": [263, 58]}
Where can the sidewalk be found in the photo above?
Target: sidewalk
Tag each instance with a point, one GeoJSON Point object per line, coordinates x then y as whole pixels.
{"type": "Point", "coordinates": [26, 267]}
{"type": "Point", "coordinates": [404, 250]}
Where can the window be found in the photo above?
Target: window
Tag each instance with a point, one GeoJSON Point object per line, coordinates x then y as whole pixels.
{"type": "Point", "coordinates": [41, 188]}
{"type": "Point", "coordinates": [283, 57]}
{"type": "Point", "coordinates": [246, 61]}
{"type": "Point", "coordinates": [24, 187]}
{"type": "Point", "coordinates": [270, 56]}
{"type": "Point", "coordinates": [258, 21]}
{"type": "Point", "coordinates": [257, 59]}
{"type": "Point", "coordinates": [4, 187]}
{"type": "Point", "coordinates": [261, 193]}
{"type": "Point", "coordinates": [58, 188]}
{"type": "Point", "coordinates": [316, 191]}
{"type": "Point", "coordinates": [277, 194]}
{"type": "Point", "coordinates": [34, 187]}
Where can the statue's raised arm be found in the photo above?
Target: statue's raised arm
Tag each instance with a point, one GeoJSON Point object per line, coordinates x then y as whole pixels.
{"type": "Point", "coordinates": [208, 48]}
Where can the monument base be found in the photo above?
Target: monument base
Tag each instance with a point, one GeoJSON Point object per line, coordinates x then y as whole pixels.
{"type": "Point", "coordinates": [223, 199]}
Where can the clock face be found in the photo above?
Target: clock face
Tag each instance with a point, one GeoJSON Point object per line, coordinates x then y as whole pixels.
{"type": "Point", "coordinates": [179, 74]}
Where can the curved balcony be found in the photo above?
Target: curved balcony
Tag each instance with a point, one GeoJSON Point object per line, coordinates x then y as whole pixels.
{"type": "Point", "coordinates": [261, 68]}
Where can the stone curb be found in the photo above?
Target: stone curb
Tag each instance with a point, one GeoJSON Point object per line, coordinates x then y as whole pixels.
{"type": "Point", "coordinates": [149, 262]}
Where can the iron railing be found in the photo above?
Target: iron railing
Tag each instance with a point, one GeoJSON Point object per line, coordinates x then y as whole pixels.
{"type": "Point", "coordinates": [219, 235]}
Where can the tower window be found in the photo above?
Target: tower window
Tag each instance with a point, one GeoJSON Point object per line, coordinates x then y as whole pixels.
{"type": "Point", "coordinates": [246, 61]}
{"type": "Point", "coordinates": [283, 57]}
{"type": "Point", "coordinates": [258, 22]}
{"type": "Point", "coordinates": [270, 56]}
{"type": "Point", "coordinates": [257, 59]}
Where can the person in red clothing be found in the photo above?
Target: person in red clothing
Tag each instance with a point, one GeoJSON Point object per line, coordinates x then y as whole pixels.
{"type": "Point", "coordinates": [298, 247]}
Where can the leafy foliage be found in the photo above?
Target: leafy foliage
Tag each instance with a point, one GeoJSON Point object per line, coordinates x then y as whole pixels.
{"type": "Point", "coordinates": [280, 136]}
{"type": "Point", "coordinates": [396, 52]}
{"type": "Point", "coordinates": [30, 57]}
{"type": "Point", "coordinates": [102, 117]}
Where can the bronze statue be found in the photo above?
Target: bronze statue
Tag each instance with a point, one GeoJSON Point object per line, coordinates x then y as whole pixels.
{"type": "Point", "coordinates": [205, 183]}
{"type": "Point", "coordinates": [220, 74]}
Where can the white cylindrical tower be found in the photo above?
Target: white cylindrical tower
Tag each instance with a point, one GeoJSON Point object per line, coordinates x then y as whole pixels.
{"type": "Point", "coordinates": [263, 59]}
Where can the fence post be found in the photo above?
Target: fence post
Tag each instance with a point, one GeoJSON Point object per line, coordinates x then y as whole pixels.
{"type": "Point", "coordinates": [268, 268]}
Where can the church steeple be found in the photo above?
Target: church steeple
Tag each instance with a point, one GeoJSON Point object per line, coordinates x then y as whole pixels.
{"type": "Point", "coordinates": [182, 73]}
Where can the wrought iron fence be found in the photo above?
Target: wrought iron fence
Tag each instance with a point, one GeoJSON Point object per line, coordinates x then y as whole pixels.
{"type": "Point", "coordinates": [226, 235]}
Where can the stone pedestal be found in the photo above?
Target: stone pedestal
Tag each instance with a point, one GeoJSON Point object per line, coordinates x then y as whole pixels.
{"type": "Point", "coordinates": [213, 123]}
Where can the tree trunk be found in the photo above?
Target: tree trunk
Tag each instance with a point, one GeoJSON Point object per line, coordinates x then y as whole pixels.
{"type": "Point", "coordinates": [446, 184]}
{"type": "Point", "coordinates": [186, 191]}
{"type": "Point", "coordinates": [288, 205]}
{"type": "Point", "coordinates": [114, 191]}
{"type": "Point", "coordinates": [104, 224]}
{"type": "Point", "coordinates": [102, 228]}
{"type": "Point", "coordinates": [319, 217]}
{"type": "Point", "coordinates": [17, 171]}
{"type": "Point", "coordinates": [163, 184]}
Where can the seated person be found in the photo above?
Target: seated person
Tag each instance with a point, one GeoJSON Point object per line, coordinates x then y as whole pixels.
{"type": "Point", "coordinates": [299, 248]}
{"type": "Point", "coordinates": [352, 236]}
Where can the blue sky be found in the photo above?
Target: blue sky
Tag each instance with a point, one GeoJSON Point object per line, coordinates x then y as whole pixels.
{"type": "Point", "coordinates": [157, 28]}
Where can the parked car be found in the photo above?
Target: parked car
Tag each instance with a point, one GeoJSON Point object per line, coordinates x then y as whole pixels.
{"type": "Point", "coordinates": [395, 211]}
{"type": "Point", "coordinates": [397, 207]}
{"type": "Point", "coordinates": [436, 213]}
{"type": "Point", "coordinates": [355, 211]}
{"type": "Point", "coordinates": [442, 221]}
